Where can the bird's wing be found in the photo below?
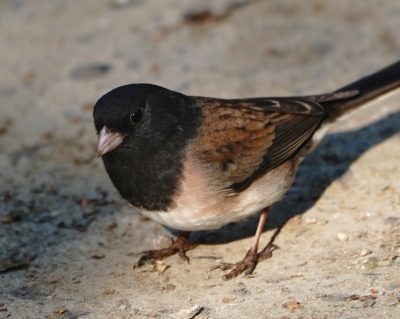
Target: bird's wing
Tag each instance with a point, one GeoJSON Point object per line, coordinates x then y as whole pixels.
{"type": "Point", "coordinates": [240, 140]}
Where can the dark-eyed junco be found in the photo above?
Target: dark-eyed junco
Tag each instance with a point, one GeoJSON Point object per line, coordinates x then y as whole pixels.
{"type": "Point", "coordinates": [198, 163]}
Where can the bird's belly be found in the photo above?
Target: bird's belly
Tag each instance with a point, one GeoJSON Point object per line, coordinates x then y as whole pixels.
{"type": "Point", "coordinates": [199, 208]}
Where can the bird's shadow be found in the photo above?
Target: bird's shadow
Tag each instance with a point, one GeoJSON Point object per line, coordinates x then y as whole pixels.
{"type": "Point", "coordinates": [327, 163]}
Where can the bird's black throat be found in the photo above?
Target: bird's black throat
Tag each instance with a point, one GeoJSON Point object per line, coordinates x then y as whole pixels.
{"type": "Point", "coordinates": [147, 170]}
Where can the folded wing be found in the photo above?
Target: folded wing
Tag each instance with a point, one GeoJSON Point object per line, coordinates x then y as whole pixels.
{"type": "Point", "coordinates": [240, 140]}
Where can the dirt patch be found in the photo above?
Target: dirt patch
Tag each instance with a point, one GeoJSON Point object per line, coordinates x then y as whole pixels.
{"type": "Point", "coordinates": [67, 240]}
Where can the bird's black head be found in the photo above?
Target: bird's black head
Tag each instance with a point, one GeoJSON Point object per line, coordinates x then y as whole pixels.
{"type": "Point", "coordinates": [143, 130]}
{"type": "Point", "coordinates": [139, 111]}
{"type": "Point", "coordinates": [121, 108]}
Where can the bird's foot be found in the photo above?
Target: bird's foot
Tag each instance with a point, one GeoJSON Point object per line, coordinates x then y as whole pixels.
{"type": "Point", "coordinates": [267, 252]}
{"type": "Point", "coordinates": [181, 245]}
{"type": "Point", "coordinates": [247, 264]}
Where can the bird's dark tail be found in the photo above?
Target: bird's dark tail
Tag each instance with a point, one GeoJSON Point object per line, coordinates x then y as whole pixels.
{"type": "Point", "coordinates": [381, 84]}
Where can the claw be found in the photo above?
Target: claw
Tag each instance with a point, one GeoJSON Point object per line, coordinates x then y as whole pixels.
{"type": "Point", "coordinates": [181, 245]}
{"type": "Point", "coordinates": [222, 266]}
{"type": "Point", "coordinates": [246, 265]}
{"type": "Point", "coordinates": [183, 256]}
{"type": "Point", "coordinates": [267, 252]}
{"type": "Point", "coordinates": [144, 260]}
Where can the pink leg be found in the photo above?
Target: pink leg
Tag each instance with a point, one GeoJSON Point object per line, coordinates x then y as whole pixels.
{"type": "Point", "coordinates": [249, 262]}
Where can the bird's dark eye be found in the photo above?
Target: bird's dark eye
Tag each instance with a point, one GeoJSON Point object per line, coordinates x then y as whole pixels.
{"type": "Point", "coordinates": [135, 116]}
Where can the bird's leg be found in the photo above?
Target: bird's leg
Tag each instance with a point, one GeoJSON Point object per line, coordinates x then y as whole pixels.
{"type": "Point", "coordinates": [249, 262]}
{"type": "Point", "coordinates": [180, 245]}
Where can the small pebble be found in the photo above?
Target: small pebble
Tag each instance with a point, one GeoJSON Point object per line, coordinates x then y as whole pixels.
{"type": "Point", "coordinates": [97, 256]}
{"type": "Point", "coordinates": [322, 222]}
{"type": "Point", "coordinates": [365, 252]}
{"type": "Point", "coordinates": [315, 221]}
{"type": "Point", "coordinates": [292, 305]}
{"type": "Point", "coordinates": [169, 287]}
{"type": "Point", "coordinates": [108, 291]}
{"type": "Point", "coordinates": [60, 311]}
{"type": "Point", "coordinates": [160, 267]}
{"type": "Point", "coordinates": [228, 299]}
{"type": "Point", "coordinates": [190, 313]}
{"type": "Point", "coordinates": [342, 236]}
{"type": "Point", "coordinates": [311, 220]}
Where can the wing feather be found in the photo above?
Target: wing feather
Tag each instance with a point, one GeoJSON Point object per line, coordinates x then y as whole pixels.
{"type": "Point", "coordinates": [240, 140]}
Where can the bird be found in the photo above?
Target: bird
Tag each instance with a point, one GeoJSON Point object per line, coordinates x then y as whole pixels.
{"type": "Point", "coordinates": [195, 163]}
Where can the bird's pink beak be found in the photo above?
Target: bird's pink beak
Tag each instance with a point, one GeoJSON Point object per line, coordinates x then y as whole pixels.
{"type": "Point", "coordinates": [108, 140]}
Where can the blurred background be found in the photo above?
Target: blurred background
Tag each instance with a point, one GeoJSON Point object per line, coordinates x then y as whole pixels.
{"type": "Point", "coordinates": [67, 241]}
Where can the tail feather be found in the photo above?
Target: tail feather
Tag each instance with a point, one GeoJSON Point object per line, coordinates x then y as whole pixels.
{"type": "Point", "coordinates": [374, 86]}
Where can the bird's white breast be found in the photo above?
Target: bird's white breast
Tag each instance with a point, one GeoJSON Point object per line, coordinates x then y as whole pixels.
{"type": "Point", "coordinates": [200, 206]}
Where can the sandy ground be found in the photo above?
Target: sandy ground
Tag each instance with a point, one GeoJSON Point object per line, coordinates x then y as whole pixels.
{"type": "Point", "coordinates": [68, 242]}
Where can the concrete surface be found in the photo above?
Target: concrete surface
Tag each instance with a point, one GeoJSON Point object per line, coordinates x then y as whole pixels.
{"type": "Point", "coordinates": [68, 242]}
